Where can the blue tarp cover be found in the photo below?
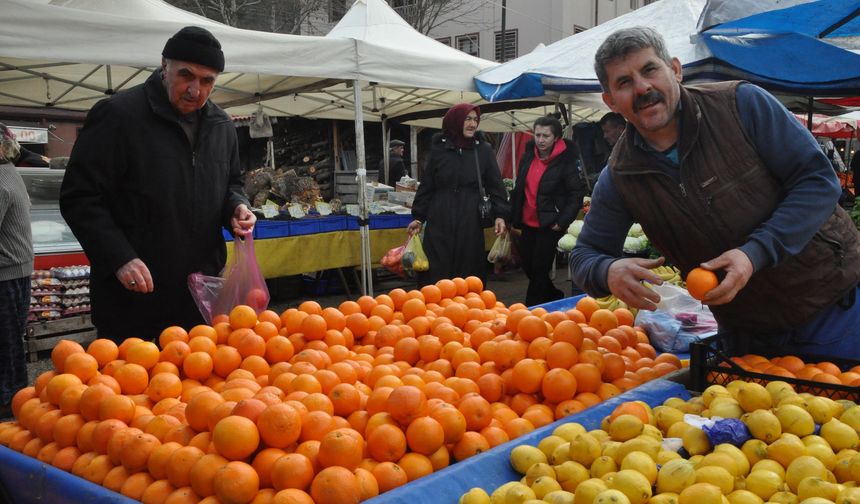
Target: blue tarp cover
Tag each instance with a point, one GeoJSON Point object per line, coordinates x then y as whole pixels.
{"type": "Point", "coordinates": [781, 49]}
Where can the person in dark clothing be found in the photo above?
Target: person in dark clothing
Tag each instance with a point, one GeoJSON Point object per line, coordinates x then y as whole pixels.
{"type": "Point", "coordinates": [152, 178]}
{"type": "Point", "coordinates": [29, 159]}
{"type": "Point", "coordinates": [448, 198]}
{"type": "Point", "coordinates": [612, 125]}
{"type": "Point", "coordinates": [545, 200]}
{"type": "Point", "coordinates": [855, 171]}
{"type": "Point", "coordinates": [721, 176]}
{"type": "Point", "coordinates": [16, 265]}
{"type": "Point", "coordinates": [396, 167]}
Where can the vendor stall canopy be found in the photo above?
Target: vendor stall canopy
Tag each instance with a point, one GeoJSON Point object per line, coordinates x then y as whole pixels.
{"type": "Point", "coordinates": [71, 53]}
{"type": "Point", "coordinates": [788, 46]}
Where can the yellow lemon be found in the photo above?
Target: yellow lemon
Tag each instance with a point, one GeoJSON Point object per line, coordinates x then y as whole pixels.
{"type": "Point", "coordinates": [701, 493]}
{"type": "Point", "coordinates": [764, 483]}
{"type": "Point", "coordinates": [588, 490]}
{"type": "Point", "coordinates": [544, 485]}
{"type": "Point", "coordinates": [816, 487]}
{"type": "Point", "coordinates": [568, 431]}
{"type": "Point", "coordinates": [611, 496]}
{"type": "Point", "coordinates": [795, 420]}
{"type": "Point", "coordinates": [785, 449]}
{"type": "Point", "coordinates": [559, 497]}
{"type": "Point", "coordinates": [752, 396]}
{"type": "Point", "coordinates": [744, 497]}
{"type": "Point", "coordinates": [584, 448]}
{"type": "Point", "coordinates": [716, 475]}
{"type": "Point", "coordinates": [539, 470]}
{"type": "Point", "coordinates": [548, 444]}
{"type": "Point", "coordinates": [570, 474]}
{"type": "Point", "coordinates": [633, 484]}
{"type": "Point", "coordinates": [696, 442]}
{"type": "Point", "coordinates": [802, 467]}
{"type": "Point", "coordinates": [642, 463]}
{"type": "Point", "coordinates": [839, 435]}
{"type": "Point", "coordinates": [524, 456]}
{"type": "Point", "coordinates": [475, 495]}
{"type": "Point", "coordinates": [763, 425]}
{"type": "Point", "coordinates": [675, 476]}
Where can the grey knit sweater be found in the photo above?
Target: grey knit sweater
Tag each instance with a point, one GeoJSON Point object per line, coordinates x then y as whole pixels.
{"type": "Point", "coordinates": [16, 244]}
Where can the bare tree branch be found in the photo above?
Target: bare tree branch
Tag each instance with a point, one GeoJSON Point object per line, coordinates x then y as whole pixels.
{"type": "Point", "coordinates": [425, 15]}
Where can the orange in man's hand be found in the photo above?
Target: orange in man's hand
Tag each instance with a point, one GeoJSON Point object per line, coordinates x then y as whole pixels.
{"type": "Point", "coordinates": [700, 281]}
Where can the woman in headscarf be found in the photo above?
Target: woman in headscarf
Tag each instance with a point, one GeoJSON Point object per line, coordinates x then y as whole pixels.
{"type": "Point", "coordinates": [448, 199]}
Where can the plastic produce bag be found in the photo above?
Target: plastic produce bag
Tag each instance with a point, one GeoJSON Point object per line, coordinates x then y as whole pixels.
{"type": "Point", "coordinates": [501, 249]}
{"type": "Point", "coordinates": [414, 258]}
{"type": "Point", "coordinates": [393, 260]}
{"type": "Point", "coordinates": [678, 321]}
{"type": "Point", "coordinates": [243, 284]}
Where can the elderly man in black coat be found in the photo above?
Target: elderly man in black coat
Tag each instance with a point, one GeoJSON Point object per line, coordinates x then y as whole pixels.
{"type": "Point", "coordinates": [152, 178]}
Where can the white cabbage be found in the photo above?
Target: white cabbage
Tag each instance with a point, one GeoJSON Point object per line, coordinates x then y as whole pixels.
{"type": "Point", "coordinates": [567, 242]}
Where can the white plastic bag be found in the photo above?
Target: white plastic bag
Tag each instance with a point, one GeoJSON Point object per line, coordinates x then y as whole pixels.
{"type": "Point", "coordinates": [678, 321]}
{"type": "Point", "coordinates": [501, 249]}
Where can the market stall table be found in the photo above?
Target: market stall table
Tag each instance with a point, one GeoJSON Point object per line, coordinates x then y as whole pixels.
{"type": "Point", "coordinates": [311, 244]}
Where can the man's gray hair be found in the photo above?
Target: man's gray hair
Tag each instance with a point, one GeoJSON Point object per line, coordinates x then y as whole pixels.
{"type": "Point", "coordinates": [623, 42]}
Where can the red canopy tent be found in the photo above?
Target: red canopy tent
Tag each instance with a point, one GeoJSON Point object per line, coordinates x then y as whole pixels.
{"type": "Point", "coordinates": [833, 127]}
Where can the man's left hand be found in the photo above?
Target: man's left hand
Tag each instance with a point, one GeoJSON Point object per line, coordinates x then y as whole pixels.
{"type": "Point", "coordinates": [243, 221]}
{"type": "Point", "coordinates": [738, 268]}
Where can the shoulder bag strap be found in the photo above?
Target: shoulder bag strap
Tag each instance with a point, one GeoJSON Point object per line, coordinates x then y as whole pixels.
{"type": "Point", "coordinates": [478, 170]}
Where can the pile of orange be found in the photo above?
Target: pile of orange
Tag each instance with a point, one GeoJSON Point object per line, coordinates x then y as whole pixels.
{"type": "Point", "coordinates": [325, 405]}
{"type": "Point", "coordinates": [791, 366]}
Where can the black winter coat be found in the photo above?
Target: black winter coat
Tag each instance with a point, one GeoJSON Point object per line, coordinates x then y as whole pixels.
{"type": "Point", "coordinates": [447, 202]}
{"type": "Point", "coordinates": [136, 188]}
{"type": "Point", "coordinates": [396, 170]}
{"type": "Point", "coordinates": [560, 190]}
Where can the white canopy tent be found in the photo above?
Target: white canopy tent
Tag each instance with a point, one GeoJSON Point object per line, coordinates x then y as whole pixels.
{"type": "Point", "coordinates": [71, 53]}
{"type": "Point", "coordinates": [88, 49]}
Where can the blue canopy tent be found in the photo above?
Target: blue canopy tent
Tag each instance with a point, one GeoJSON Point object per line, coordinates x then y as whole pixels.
{"type": "Point", "coordinates": [794, 49]}
{"type": "Point", "coordinates": [774, 49]}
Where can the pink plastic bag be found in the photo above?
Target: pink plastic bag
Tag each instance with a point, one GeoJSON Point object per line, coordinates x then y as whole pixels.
{"type": "Point", "coordinates": [242, 284]}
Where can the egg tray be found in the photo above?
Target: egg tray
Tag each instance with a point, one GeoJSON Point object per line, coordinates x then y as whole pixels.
{"type": "Point", "coordinates": [711, 364]}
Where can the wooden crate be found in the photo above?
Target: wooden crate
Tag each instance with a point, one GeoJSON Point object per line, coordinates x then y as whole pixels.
{"type": "Point", "coordinates": [44, 336]}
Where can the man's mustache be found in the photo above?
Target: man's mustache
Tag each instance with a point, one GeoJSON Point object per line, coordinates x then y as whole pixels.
{"type": "Point", "coordinates": [649, 98]}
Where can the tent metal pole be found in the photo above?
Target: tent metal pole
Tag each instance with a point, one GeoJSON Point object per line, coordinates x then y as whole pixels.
{"type": "Point", "coordinates": [385, 151]}
{"type": "Point", "coordinates": [361, 175]}
{"type": "Point", "coordinates": [413, 151]}
{"type": "Point", "coordinates": [809, 113]}
{"type": "Point", "coordinates": [514, 155]}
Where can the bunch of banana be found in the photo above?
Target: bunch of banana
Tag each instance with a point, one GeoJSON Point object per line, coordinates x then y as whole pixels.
{"type": "Point", "coordinates": [669, 274]}
{"type": "Point", "coordinates": [611, 302]}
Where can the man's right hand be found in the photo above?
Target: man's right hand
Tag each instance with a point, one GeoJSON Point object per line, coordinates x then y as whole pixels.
{"type": "Point", "coordinates": [625, 281]}
{"type": "Point", "coordinates": [135, 276]}
{"type": "Point", "coordinates": [414, 227]}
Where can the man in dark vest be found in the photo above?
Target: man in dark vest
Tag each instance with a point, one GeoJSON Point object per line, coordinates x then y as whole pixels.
{"type": "Point", "coordinates": [721, 176]}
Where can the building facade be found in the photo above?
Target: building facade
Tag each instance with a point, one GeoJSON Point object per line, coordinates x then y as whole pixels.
{"type": "Point", "coordinates": [475, 26]}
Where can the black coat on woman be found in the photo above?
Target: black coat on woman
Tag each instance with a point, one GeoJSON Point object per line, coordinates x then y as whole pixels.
{"type": "Point", "coordinates": [447, 202]}
{"type": "Point", "coordinates": [560, 190]}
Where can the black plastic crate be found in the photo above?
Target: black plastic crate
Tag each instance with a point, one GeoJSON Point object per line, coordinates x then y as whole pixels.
{"type": "Point", "coordinates": [711, 364]}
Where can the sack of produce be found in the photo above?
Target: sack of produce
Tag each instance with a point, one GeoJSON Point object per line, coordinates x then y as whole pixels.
{"type": "Point", "coordinates": [393, 260]}
{"type": "Point", "coordinates": [414, 258]}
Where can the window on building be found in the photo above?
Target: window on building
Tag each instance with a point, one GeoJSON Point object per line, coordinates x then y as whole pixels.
{"type": "Point", "coordinates": [444, 40]}
{"type": "Point", "coordinates": [578, 29]}
{"type": "Point", "coordinates": [336, 10]}
{"type": "Point", "coordinates": [468, 43]}
{"type": "Point", "coordinates": [396, 4]}
{"type": "Point", "coordinates": [506, 49]}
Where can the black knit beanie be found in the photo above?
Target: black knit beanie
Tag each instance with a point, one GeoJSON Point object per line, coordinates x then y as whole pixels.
{"type": "Point", "coordinates": [195, 45]}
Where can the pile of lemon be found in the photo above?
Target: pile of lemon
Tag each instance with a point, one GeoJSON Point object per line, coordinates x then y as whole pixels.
{"type": "Point", "coordinates": [803, 450]}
